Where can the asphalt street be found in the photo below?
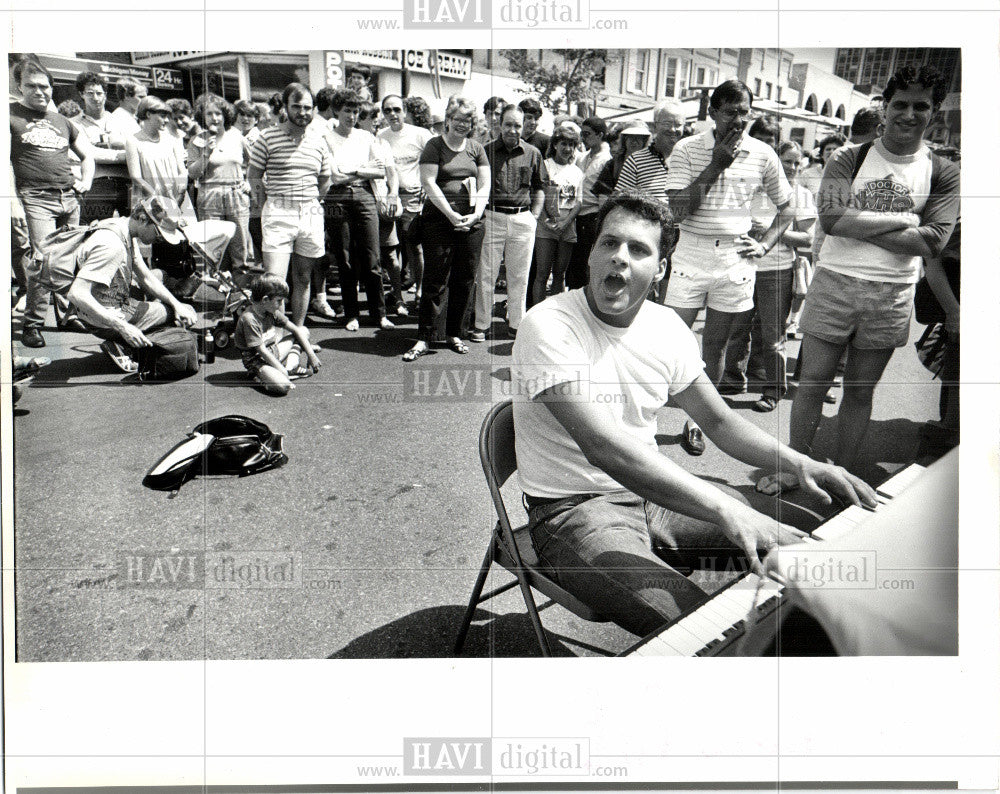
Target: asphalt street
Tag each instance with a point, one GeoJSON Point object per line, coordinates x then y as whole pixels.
{"type": "Point", "coordinates": [365, 545]}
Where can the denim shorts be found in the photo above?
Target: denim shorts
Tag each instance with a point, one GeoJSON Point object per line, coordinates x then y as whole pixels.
{"type": "Point", "coordinates": [871, 315]}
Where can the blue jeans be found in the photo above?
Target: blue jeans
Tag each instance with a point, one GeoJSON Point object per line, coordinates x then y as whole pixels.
{"type": "Point", "coordinates": [45, 210]}
{"type": "Point", "coordinates": [760, 334]}
{"type": "Point", "coordinates": [625, 557]}
{"type": "Point", "coordinates": [353, 227]}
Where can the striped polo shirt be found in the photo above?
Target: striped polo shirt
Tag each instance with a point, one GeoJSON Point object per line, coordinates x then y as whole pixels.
{"type": "Point", "coordinates": [294, 166]}
{"type": "Point", "coordinates": [644, 171]}
{"type": "Point", "coordinates": [725, 211]}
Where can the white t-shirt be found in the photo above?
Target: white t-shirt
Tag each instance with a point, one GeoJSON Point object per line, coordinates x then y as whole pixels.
{"type": "Point", "coordinates": [885, 183]}
{"type": "Point", "coordinates": [628, 372]}
{"type": "Point", "coordinates": [352, 152]}
{"type": "Point", "coordinates": [406, 146]}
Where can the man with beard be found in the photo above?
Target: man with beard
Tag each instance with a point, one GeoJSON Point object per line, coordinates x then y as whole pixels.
{"type": "Point", "coordinates": [299, 172]}
{"type": "Point", "coordinates": [613, 520]}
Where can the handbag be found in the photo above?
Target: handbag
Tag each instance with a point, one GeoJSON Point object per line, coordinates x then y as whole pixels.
{"type": "Point", "coordinates": [173, 355]}
{"type": "Point", "coordinates": [931, 348]}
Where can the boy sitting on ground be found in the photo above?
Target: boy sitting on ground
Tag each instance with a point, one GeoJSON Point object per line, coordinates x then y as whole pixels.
{"type": "Point", "coordinates": [270, 356]}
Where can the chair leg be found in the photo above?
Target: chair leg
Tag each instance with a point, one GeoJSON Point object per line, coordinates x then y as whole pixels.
{"type": "Point", "coordinates": [474, 600]}
{"type": "Point", "coordinates": [536, 621]}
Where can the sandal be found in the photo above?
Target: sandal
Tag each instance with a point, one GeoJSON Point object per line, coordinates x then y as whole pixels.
{"type": "Point", "coordinates": [301, 371]}
{"type": "Point", "coordinates": [777, 483]}
{"type": "Point", "coordinates": [415, 352]}
{"type": "Point", "coordinates": [456, 344]}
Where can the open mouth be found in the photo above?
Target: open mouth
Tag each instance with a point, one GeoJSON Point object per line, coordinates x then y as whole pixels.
{"type": "Point", "coordinates": [615, 283]}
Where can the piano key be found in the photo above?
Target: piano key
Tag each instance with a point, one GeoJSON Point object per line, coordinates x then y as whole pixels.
{"type": "Point", "coordinates": [842, 523]}
{"type": "Point", "coordinates": [900, 481]}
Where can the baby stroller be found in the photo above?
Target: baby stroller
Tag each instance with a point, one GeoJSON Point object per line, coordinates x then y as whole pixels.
{"type": "Point", "coordinates": [206, 244]}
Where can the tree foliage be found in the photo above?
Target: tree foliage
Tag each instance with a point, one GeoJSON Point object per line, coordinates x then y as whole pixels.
{"type": "Point", "coordinates": [566, 80]}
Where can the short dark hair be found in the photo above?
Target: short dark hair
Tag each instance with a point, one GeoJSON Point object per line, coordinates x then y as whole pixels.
{"type": "Point", "coordinates": [730, 91]}
{"type": "Point", "coordinates": [182, 106]}
{"type": "Point", "coordinates": [361, 69]}
{"type": "Point", "coordinates": [85, 79]}
{"type": "Point", "coordinates": [126, 88]}
{"type": "Point", "coordinates": [866, 121]}
{"type": "Point", "coordinates": [530, 105]}
{"type": "Point", "coordinates": [596, 124]}
{"type": "Point", "coordinates": [367, 110]}
{"type": "Point", "coordinates": [647, 208]}
{"type": "Point", "coordinates": [214, 101]}
{"type": "Point", "coordinates": [30, 66]}
{"type": "Point", "coordinates": [293, 91]}
{"type": "Point", "coordinates": [927, 76]}
{"type": "Point", "coordinates": [419, 111]}
{"type": "Point", "coordinates": [768, 126]}
{"type": "Point", "coordinates": [324, 98]}
{"type": "Point", "coordinates": [247, 108]}
{"type": "Point", "coordinates": [268, 285]}
{"type": "Point", "coordinates": [493, 103]}
{"type": "Point", "coordinates": [836, 138]}
{"type": "Point", "coordinates": [343, 98]}
{"type": "Point", "coordinates": [277, 100]}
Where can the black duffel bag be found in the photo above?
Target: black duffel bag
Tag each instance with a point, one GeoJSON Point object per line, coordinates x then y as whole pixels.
{"type": "Point", "coordinates": [228, 445]}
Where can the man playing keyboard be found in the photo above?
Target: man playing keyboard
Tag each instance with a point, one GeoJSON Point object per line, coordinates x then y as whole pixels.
{"type": "Point", "coordinates": [613, 520]}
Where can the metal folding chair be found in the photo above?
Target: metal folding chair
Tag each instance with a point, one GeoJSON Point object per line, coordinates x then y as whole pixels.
{"type": "Point", "coordinates": [510, 547]}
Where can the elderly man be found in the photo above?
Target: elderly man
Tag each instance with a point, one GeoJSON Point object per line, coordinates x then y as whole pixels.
{"type": "Point", "coordinates": [645, 171]}
{"type": "Point", "coordinates": [517, 196]}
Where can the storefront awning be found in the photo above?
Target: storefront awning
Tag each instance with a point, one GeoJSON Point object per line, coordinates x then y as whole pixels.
{"type": "Point", "coordinates": [65, 70]}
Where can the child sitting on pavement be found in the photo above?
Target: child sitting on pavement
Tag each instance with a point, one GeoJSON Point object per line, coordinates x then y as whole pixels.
{"type": "Point", "coordinates": [273, 358]}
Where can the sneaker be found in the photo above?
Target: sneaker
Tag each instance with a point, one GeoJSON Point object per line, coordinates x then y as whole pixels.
{"type": "Point", "coordinates": [402, 311]}
{"type": "Point", "coordinates": [322, 308]}
{"type": "Point", "coordinates": [477, 336]}
{"type": "Point", "coordinates": [121, 355]}
{"type": "Point", "coordinates": [385, 324]}
{"type": "Point", "coordinates": [352, 324]}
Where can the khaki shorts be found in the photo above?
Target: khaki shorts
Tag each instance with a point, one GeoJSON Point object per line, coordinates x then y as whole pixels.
{"type": "Point", "coordinates": [293, 228]}
{"type": "Point", "coordinates": [871, 315]}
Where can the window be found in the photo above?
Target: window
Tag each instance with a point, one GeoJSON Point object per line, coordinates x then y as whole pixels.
{"type": "Point", "coordinates": [676, 81]}
{"type": "Point", "coordinates": [777, 94]}
{"type": "Point", "coordinates": [877, 66]}
{"type": "Point", "coordinates": [638, 71]}
{"type": "Point", "coordinates": [756, 87]}
{"type": "Point", "coordinates": [705, 76]}
{"type": "Point", "coordinates": [769, 89]}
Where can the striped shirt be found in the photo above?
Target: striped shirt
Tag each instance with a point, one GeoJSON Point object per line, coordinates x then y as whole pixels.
{"type": "Point", "coordinates": [294, 167]}
{"type": "Point", "coordinates": [644, 171]}
{"type": "Point", "coordinates": [725, 210]}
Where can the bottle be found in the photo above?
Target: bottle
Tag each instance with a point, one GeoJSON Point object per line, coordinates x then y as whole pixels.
{"type": "Point", "coordinates": [209, 347]}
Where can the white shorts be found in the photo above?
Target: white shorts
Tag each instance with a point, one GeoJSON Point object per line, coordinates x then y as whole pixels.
{"type": "Point", "coordinates": [708, 271]}
{"type": "Point", "coordinates": [293, 227]}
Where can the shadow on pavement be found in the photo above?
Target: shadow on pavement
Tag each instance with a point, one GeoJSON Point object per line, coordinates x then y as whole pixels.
{"type": "Point", "coordinates": [432, 632]}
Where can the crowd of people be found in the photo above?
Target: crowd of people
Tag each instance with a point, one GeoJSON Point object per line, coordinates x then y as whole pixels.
{"type": "Point", "coordinates": [609, 240]}
{"type": "Point", "coordinates": [330, 190]}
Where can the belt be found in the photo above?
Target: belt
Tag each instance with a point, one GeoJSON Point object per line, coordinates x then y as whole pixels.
{"type": "Point", "coordinates": [707, 240]}
{"type": "Point", "coordinates": [509, 210]}
{"type": "Point", "coordinates": [532, 502]}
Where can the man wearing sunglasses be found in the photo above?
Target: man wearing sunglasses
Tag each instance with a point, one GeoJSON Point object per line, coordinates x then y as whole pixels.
{"type": "Point", "coordinates": [107, 264]}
